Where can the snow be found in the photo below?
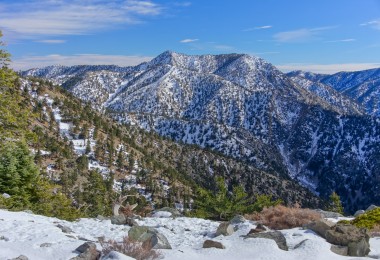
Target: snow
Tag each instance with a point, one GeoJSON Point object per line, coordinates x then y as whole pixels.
{"type": "Point", "coordinates": [22, 233]}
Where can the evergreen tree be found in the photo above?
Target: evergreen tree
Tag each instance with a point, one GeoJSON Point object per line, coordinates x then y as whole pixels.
{"type": "Point", "coordinates": [335, 204]}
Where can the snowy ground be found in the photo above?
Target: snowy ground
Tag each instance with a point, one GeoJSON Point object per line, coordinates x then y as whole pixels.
{"type": "Point", "coordinates": [24, 233]}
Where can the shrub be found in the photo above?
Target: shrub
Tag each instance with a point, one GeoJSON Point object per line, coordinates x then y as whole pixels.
{"type": "Point", "coordinates": [368, 220]}
{"type": "Point", "coordinates": [130, 248]}
{"type": "Point", "coordinates": [281, 217]}
{"type": "Point", "coordinates": [335, 204]}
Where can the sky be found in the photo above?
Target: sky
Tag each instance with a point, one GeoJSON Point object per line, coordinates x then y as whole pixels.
{"type": "Point", "coordinates": [323, 36]}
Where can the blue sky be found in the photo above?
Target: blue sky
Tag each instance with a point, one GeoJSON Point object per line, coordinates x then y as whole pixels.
{"type": "Point", "coordinates": [321, 36]}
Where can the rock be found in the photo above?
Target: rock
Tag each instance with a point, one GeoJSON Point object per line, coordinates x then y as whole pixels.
{"type": "Point", "coordinates": [131, 222]}
{"type": "Point", "coordinates": [259, 228]}
{"type": "Point", "coordinates": [119, 220]}
{"type": "Point", "coordinates": [88, 245]}
{"type": "Point", "coordinates": [225, 229]}
{"type": "Point", "coordinates": [328, 214]}
{"type": "Point", "coordinates": [100, 217]}
{"type": "Point", "coordinates": [237, 220]}
{"type": "Point", "coordinates": [64, 229]}
{"type": "Point", "coordinates": [46, 245]}
{"type": "Point", "coordinates": [277, 236]}
{"type": "Point", "coordinates": [21, 257]}
{"type": "Point", "coordinates": [371, 207]}
{"type": "Point", "coordinates": [359, 212]}
{"type": "Point", "coordinates": [28, 211]}
{"type": "Point", "coordinates": [87, 252]}
{"type": "Point", "coordinates": [4, 238]}
{"type": "Point", "coordinates": [320, 226]}
{"type": "Point", "coordinates": [301, 244]}
{"type": "Point", "coordinates": [340, 250]}
{"type": "Point", "coordinates": [113, 255]}
{"type": "Point", "coordinates": [149, 236]}
{"type": "Point", "coordinates": [213, 244]}
{"type": "Point", "coordinates": [356, 239]}
{"type": "Point", "coordinates": [175, 213]}
{"type": "Point", "coordinates": [6, 196]}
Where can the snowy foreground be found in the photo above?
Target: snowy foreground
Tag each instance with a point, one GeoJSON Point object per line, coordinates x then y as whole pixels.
{"type": "Point", "coordinates": [22, 233]}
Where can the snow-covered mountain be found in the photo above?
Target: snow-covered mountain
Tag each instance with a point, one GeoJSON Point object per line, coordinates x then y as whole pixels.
{"type": "Point", "coordinates": [243, 107]}
{"type": "Point", "coordinates": [361, 86]}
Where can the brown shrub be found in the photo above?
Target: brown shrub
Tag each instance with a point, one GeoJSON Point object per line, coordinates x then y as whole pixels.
{"type": "Point", "coordinates": [281, 217]}
{"type": "Point", "coordinates": [130, 248]}
{"type": "Point", "coordinates": [375, 231]}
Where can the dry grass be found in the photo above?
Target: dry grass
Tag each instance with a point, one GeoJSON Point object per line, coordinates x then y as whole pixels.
{"type": "Point", "coordinates": [281, 217]}
{"type": "Point", "coordinates": [130, 248]}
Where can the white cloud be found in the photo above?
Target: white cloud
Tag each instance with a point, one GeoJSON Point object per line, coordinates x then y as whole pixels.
{"type": "Point", "coordinates": [300, 35]}
{"type": "Point", "coordinates": [328, 68]}
{"type": "Point", "coordinates": [79, 59]}
{"type": "Point", "coordinates": [52, 41]}
{"type": "Point", "coordinates": [258, 28]}
{"type": "Point", "coordinates": [71, 17]}
{"type": "Point", "coordinates": [189, 40]}
{"type": "Point", "coordinates": [375, 24]}
{"type": "Point", "coordinates": [344, 40]}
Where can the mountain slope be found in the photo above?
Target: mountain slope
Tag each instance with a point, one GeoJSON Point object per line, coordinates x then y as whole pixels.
{"type": "Point", "coordinates": [245, 108]}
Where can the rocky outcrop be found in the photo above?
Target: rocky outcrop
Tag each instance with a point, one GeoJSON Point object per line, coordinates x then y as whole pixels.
{"type": "Point", "coordinates": [87, 252]}
{"type": "Point", "coordinates": [123, 220]}
{"type": "Point", "coordinates": [277, 236]}
{"type": "Point", "coordinates": [259, 228]}
{"type": "Point", "coordinates": [355, 239]}
{"type": "Point", "coordinates": [237, 220]}
{"type": "Point", "coordinates": [225, 229]}
{"type": "Point", "coordinates": [320, 226]}
{"type": "Point", "coordinates": [213, 244]}
{"type": "Point", "coordinates": [149, 236]}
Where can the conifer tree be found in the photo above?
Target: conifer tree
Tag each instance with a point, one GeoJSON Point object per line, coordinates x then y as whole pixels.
{"type": "Point", "coordinates": [335, 204]}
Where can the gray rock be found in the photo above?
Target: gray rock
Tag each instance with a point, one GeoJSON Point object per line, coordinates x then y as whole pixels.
{"type": "Point", "coordinates": [87, 252]}
{"type": "Point", "coordinates": [371, 207]}
{"type": "Point", "coordinates": [86, 246]}
{"type": "Point", "coordinates": [46, 245]}
{"type": "Point", "coordinates": [21, 257]}
{"type": "Point", "coordinates": [4, 238]}
{"type": "Point", "coordinates": [359, 212]}
{"type": "Point", "coordinates": [100, 217]}
{"type": "Point", "coordinates": [340, 250]}
{"type": "Point", "coordinates": [277, 236]}
{"type": "Point", "coordinates": [119, 220]}
{"type": "Point", "coordinates": [301, 244]}
{"type": "Point", "coordinates": [64, 229]}
{"type": "Point", "coordinates": [328, 214]}
{"type": "Point", "coordinates": [320, 226]}
{"type": "Point", "coordinates": [356, 239]}
{"type": "Point", "coordinates": [6, 196]}
{"type": "Point", "coordinates": [259, 228]}
{"type": "Point", "coordinates": [149, 236]}
{"type": "Point", "coordinates": [175, 212]}
{"type": "Point", "coordinates": [237, 220]}
{"type": "Point", "coordinates": [213, 244]}
{"type": "Point", "coordinates": [225, 229]}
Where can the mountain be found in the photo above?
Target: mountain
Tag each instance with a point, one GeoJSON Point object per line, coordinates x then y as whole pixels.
{"type": "Point", "coordinates": [243, 107]}
{"type": "Point", "coordinates": [361, 86]}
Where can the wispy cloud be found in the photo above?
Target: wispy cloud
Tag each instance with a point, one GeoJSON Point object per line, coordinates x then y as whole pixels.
{"type": "Point", "coordinates": [375, 24]}
{"type": "Point", "coordinates": [182, 4]}
{"type": "Point", "coordinates": [79, 59]}
{"type": "Point", "coordinates": [344, 40]}
{"type": "Point", "coordinates": [188, 40]}
{"type": "Point", "coordinates": [328, 68]}
{"type": "Point", "coordinates": [72, 17]}
{"type": "Point", "coordinates": [223, 47]}
{"type": "Point", "coordinates": [258, 28]}
{"type": "Point", "coordinates": [300, 35]}
{"type": "Point", "coordinates": [52, 41]}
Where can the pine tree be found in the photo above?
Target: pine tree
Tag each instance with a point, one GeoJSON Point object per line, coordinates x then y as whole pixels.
{"type": "Point", "coordinates": [335, 204]}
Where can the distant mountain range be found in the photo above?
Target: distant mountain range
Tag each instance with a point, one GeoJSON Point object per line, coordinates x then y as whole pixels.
{"type": "Point", "coordinates": [321, 130]}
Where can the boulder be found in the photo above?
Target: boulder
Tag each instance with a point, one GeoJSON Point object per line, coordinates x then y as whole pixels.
{"type": "Point", "coordinates": [237, 220]}
{"type": "Point", "coordinates": [6, 195]}
{"type": "Point", "coordinates": [87, 252]}
{"type": "Point", "coordinates": [328, 214]}
{"type": "Point", "coordinates": [359, 212]}
{"type": "Point", "coordinates": [119, 219]}
{"type": "Point", "coordinates": [277, 236]}
{"type": "Point", "coordinates": [356, 239]}
{"type": "Point", "coordinates": [320, 226]}
{"type": "Point", "coordinates": [371, 207]}
{"type": "Point", "coordinates": [301, 244]}
{"type": "Point", "coordinates": [149, 236]}
{"type": "Point", "coordinates": [175, 213]}
{"type": "Point", "coordinates": [213, 244]}
{"type": "Point", "coordinates": [259, 228]}
{"type": "Point", "coordinates": [225, 229]}
{"type": "Point", "coordinates": [64, 229]}
{"type": "Point", "coordinates": [340, 250]}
